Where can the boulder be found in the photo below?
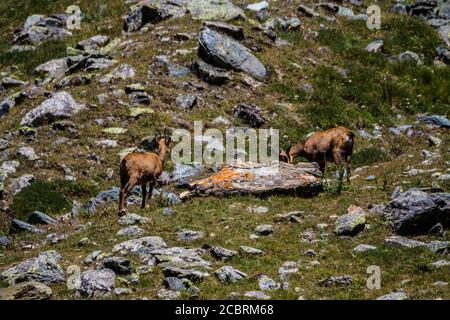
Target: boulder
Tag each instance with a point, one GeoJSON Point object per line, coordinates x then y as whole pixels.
{"type": "Point", "coordinates": [249, 114]}
{"type": "Point", "coordinates": [60, 106]}
{"type": "Point", "coordinates": [225, 52]}
{"type": "Point", "coordinates": [209, 73]}
{"type": "Point", "coordinates": [140, 246]}
{"type": "Point", "coordinates": [31, 290]}
{"type": "Point", "coordinates": [222, 253]}
{"type": "Point", "coordinates": [117, 264]}
{"type": "Point", "coordinates": [38, 217]}
{"type": "Point", "coordinates": [43, 268]}
{"type": "Point", "coordinates": [232, 31]}
{"type": "Point", "coordinates": [404, 242]}
{"type": "Point", "coordinates": [440, 121]}
{"type": "Point", "coordinates": [132, 218]}
{"type": "Point", "coordinates": [184, 273]}
{"type": "Point", "coordinates": [259, 179]}
{"type": "Point", "coordinates": [222, 10]}
{"type": "Point", "coordinates": [16, 185]}
{"type": "Point", "coordinates": [95, 283]}
{"type": "Point", "coordinates": [190, 235]}
{"type": "Point", "coordinates": [415, 211]}
{"type": "Point", "coordinates": [352, 223]}
{"type": "Point", "coordinates": [51, 70]}
{"type": "Point", "coordinates": [131, 232]}
{"type": "Point", "coordinates": [18, 226]}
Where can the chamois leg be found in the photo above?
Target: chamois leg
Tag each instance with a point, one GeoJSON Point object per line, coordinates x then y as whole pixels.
{"type": "Point", "coordinates": [338, 160]}
{"type": "Point", "coordinates": [144, 194]}
{"type": "Point", "coordinates": [124, 191]}
{"type": "Point", "coordinates": [347, 167]}
{"type": "Point", "coordinates": [150, 193]}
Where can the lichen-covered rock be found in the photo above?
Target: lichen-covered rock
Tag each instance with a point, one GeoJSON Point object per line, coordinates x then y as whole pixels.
{"type": "Point", "coordinates": [18, 226]}
{"type": "Point", "coordinates": [222, 10]}
{"type": "Point", "coordinates": [251, 251]}
{"type": "Point", "coordinates": [117, 264]}
{"type": "Point", "coordinates": [140, 246]}
{"type": "Point", "coordinates": [60, 106]}
{"type": "Point", "coordinates": [184, 273]}
{"type": "Point", "coordinates": [209, 73]}
{"type": "Point", "coordinates": [404, 242]}
{"type": "Point", "coordinates": [96, 283]}
{"type": "Point", "coordinates": [249, 114]}
{"type": "Point", "coordinates": [415, 211]}
{"type": "Point", "coordinates": [222, 253]}
{"type": "Point", "coordinates": [352, 223]}
{"type": "Point", "coordinates": [131, 231]}
{"type": "Point", "coordinates": [132, 218]}
{"type": "Point", "coordinates": [43, 268]}
{"type": "Point", "coordinates": [400, 295]}
{"type": "Point", "coordinates": [31, 290]}
{"type": "Point", "coordinates": [228, 274]}
{"type": "Point", "coordinates": [344, 280]}
{"type": "Point", "coordinates": [190, 235]}
{"type": "Point", "coordinates": [225, 52]}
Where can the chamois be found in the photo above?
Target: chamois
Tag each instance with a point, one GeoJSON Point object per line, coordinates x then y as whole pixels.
{"type": "Point", "coordinates": [142, 168]}
{"type": "Point", "coordinates": [335, 144]}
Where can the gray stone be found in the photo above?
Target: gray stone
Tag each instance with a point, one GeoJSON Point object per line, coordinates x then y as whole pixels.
{"type": "Point", "coordinates": [168, 294]}
{"type": "Point", "coordinates": [31, 290]}
{"type": "Point", "coordinates": [60, 106]}
{"type": "Point", "coordinates": [233, 31]}
{"type": "Point", "coordinates": [131, 231]}
{"type": "Point", "coordinates": [140, 246]}
{"type": "Point", "coordinates": [441, 264]}
{"type": "Point", "coordinates": [222, 253]}
{"type": "Point", "coordinates": [293, 217]}
{"type": "Point", "coordinates": [224, 52]}
{"type": "Point", "coordinates": [222, 10]}
{"type": "Point", "coordinates": [190, 235]}
{"type": "Point", "coordinates": [307, 12]}
{"type": "Point", "coordinates": [440, 121]}
{"type": "Point", "coordinates": [95, 283]}
{"type": "Point", "coordinates": [409, 56]}
{"type": "Point", "coordinates": [43, 268]}
{"type": "Point", "coordinates": [439, 247]}
{"type": "Point", "coordinates": [228, 274]}
{"type": "Point", "coordinates": [400, 295]}
{"type": "Point", "coordinates": [93, 43]}
{"type": "Point", "coordinates": [5, 241]}
{"type": "Point", "coordinates": [375, 46]}
{"type": "Point", "coordinates": [16, 185]}
{"type": "Point", "coordinates": [117, 264]}
{"type": "Point", "coordinates": [443, 53]}
{"type": "Point", "coordinates": [3, 144]}
{"type": "Point", "coordinates": [92, 62]}
{"type": "Point", "coordinates": [404, 242]}
{"type": "Point", "coordinates": [415, 211]}
{"type": "Point", "coordinates": [249, 114]}
{"type": "Point", "coordinates": [183, 273]}
{"type": "Point", "coordinates": [251, 251]}
{"type": "Point", "coordinates": [188, 101]}
{"type": "Point", "coordinates": [52, 70]}
{"type": "Point", "coordinates": [27, 152]}
{"type": "Point", "coordinates": [257, 295]}
{"type": "Point", "coordinates": [38, 217]}
{"type": "Point", "coordinates": [18, 226]}
{"type": "Point", "coordinates": [344, 280]}
{"type": "Point", "coordinates": [363, 248]}
{"type": "Point", "coordinates": [268, 284]}
{"type": "Point", "coordinates": [264, 229]}
{"type": "Point", "coordinates": [350, 224]}
{"type": "Point", "coordinates": [132, 218]}
{"type": "Point", "coordinates": [209, 73]}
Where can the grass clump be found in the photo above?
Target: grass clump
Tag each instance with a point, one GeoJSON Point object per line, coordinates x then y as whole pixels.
{"type": "Point", "coordinates": [369, 156]}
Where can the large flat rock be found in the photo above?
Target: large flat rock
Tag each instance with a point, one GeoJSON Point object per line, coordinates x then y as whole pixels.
{"type": "Point", "coordinates": [259, 179]}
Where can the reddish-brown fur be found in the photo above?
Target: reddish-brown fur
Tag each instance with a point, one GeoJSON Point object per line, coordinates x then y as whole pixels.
{"type": "Point", "coordinates": [334, 144]}
{"type": "Point", "coordinates": [141, 168]}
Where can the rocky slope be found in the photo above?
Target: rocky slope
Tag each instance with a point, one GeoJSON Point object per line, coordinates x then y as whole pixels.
{"type": "Point", "coordinates": [73, 101]}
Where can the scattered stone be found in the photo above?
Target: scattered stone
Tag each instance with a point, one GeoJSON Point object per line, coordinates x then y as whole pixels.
{"type": "Point", "coordinates": [191, 274]}
{"type": "Point", "coordinates": [415, 211]}
{"type": "Point", "coordinates": [232, 31]}
{"type": "Point", "coordinates": [18, 226]}
{"type": "Point", "coordinates": [344, 280]}
{"type": "Point", "coordinates": [307, 12]}
{"type": "Point", "coordinates": [404, 242]}
{"type": "Point", "coordinates": [375, 46]}
{"type": "Point", "coordinates": [264, 229]}
{"type": "Point", "coordinates": [225, 52]}
{"type": "Point", "coordinates": [190, 235]}
{"type": "Point", "coordinates": [437, 120]}
{"type": "Point", "coordinates": [258, 209]}
{"type": "Point", "coordinates": [132, 218]}
{"type": "Point", "coordinates": [95, 283]}
{"type": "Point", "coordinates": [209, 73]}
{"type": "Point", "coordinates": [31, 290]}
{"type": "Point", "coordinates": [223, 10]}
{"type": "Point", "coordinates": [439, 247]}
{"type": "Point", "coordinates": [268, 284]}
{"type": "Point", "coordinates": [222, 253]}
{"type": "Point", "coordinates": [363, 247]}
{"type": "Point", "coordinates": [259, 6]}
{"type": "Point", "coordinates": [5, 241]}
{"type": "Point", "coordinates": [140, 246]}
{"type": "Point", "coordinates": [287, 269]}
{"type": "Point", "coordinates": [186, 101]}
{"type": "Point", "coordinates": [122, 291]}
{"type": "Point", "coordinates": [131, 231]}
{"type": "Point", "coordinates": [16, 185]}
{"type": "Point", "coordinates": [168, 294]}
{"type": "Point", "coordinates": [38, 217]}
{"type": "Point", "coordinates": [249, 114]}
{"type": "Point", "coordinates": [117, 264]}
{"type": "Point", "coordinates": [293, 217]}
{"type": "Point", "coordinates": [251, 251]}
{"type": "Point", "coordinates": [257, 295]}
{"type": "Point", "coordinates": [351, 223]}
{"type": "Point", "coordinates": [43, 268]}
{"type": "Point", "coordinates": [27, 152]}
{"type": "Point", "coordinates": [440, 264]}
{"type": "Point", "coordinates": [400, 295]}
{"type": "Point", "coordinates": [52, 70]}
{"type": "Point", "coordinates": [228, 274]}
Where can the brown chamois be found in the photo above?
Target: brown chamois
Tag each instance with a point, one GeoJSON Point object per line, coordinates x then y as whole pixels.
{"type": "Point", "coordinates": [142, 168]}
{"type": "Point", "coordinates": [334, 144]}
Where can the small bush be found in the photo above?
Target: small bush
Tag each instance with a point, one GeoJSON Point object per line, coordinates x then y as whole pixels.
{"type": "Point", "coordinates": [369, 156]}
{"type": "Point", "coordinates": [41, 196]}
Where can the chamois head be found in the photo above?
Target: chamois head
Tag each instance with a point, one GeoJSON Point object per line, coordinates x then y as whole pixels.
{"type": "Point", "coordinates": [163, 141]}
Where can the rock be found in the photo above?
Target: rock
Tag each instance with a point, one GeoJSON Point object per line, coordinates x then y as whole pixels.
{"type": "Point", "coordinates": [123, 72]}
{"type": "Point", "coordinates": [182, 273]}
{"type": "Point", "coordinates": [399, 8]}
{"type": "Point", "coordinates": [5, 241]}
{"type": "Point", "coordinates": [257, 295]}
{"type": "Point", "coordinates": [93, 43]}
{"type": "Point", "coordinates": [251, 251]}
{"type": "Point", "coordinates": [31, 290]}
{"type": "Point", "coordinates": [437, 120]}
{"type": "Point", "coordinates": [443, 32]}
{"type": "Point", "coordinates": [171, 69]}
{"type": "Point", "coordinates": [293, 217]}
{"type": "Point", "coordinates": [106, 143]}
{"type": "Point", "coordinates": [249, 178]}
{"type": "Point", "coordinates": [440, 264]}
{"type": "Point", "coordinates": [268, 284]}
{"type": "Point", "coordinates": [6, 105]}
{"type": "Point", "coordinates": [117, 264]}
{"type": "Point", "coordinates": [75, 80]}
{"type": "Point", "coordinates": [168, 294]}
{"type": "Point", "coordinates": [60, 106]}
{"type": "Point", "coordinates": [95, 283]}
{"type": "Point", "coordinates": [352, 223]}
{"type": "Point", "coordinates": [16, 185]}
{"type": "Point", "coordinates": [140, 246]}
{"type": "Point", "coordinates": [222, 253]}
{"type": "Point", "coordinates": [43, 268]}
{"type": "Point", "coordinates": [175, 284]}
{"type": "Point", "coordinates": [363, 247]}
{"type": "Point", "coordinates": [434, 141]}
{"type": "Point", "coordinates": [186, 101]}
{"type": "Point", "coordinates": [210, 74]}
{"type": "Point", "coordinates": [409, 56]}
{"type": "Point", "coordinates": [27, 152]}
{"type": "Point", "coordinates": [92, 62]}
{"type": "Point", "coordinates": [3, 144]}
{"type": "Point", "coordinates": [249, 114]}
{"type": "Point", "coordinates": [190, 235]}
{"type": "Point", "coordinates": [222, 10]}
{"type": "Point", "coordinates": [344, 280]}
{"type": "Point", "coordinates": [122, 291]}
{"type": "Point", "coordinates": [256, 7]}
{"type": "Point", "coordinates": [415, 211]}
{"type": "Point", "coordinates": [287, 269]}
{"type": "Point", "coordinates": [52, 70]}
{"type": "Point", "coordinates": [308, 12]}
{"type": "Point", "coordinates": [18, 226]}
{"type": "Point", "coordinates": [132, 218]}
{"type": "Point", "coordinates": [132, 232]}
{"type": "Point", "coordinates": [228, 274]}
{"type": "Point", "coordinates": [38, 217]}
{"type": "Point", "coordinates": [225, 52]}
{"type": "Point", "coordinates": [443, 54]}
{"type": "Point", "coordinates": [440, 284]}
{"type": "Point", "coordinates": [264, 229]}
{"type": "Point", "coordinates": [439, 247]}
{"type": "Point", "coordinates": [404, 242]}
{"type": "Point", "coordinates": [93, 256]}
{"type": "Point", "coordinates": [400, 295]}
{"type": "Point", "coordinates": [232, 31]}
{"type": "Point", "coordinates": [375, 46]}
